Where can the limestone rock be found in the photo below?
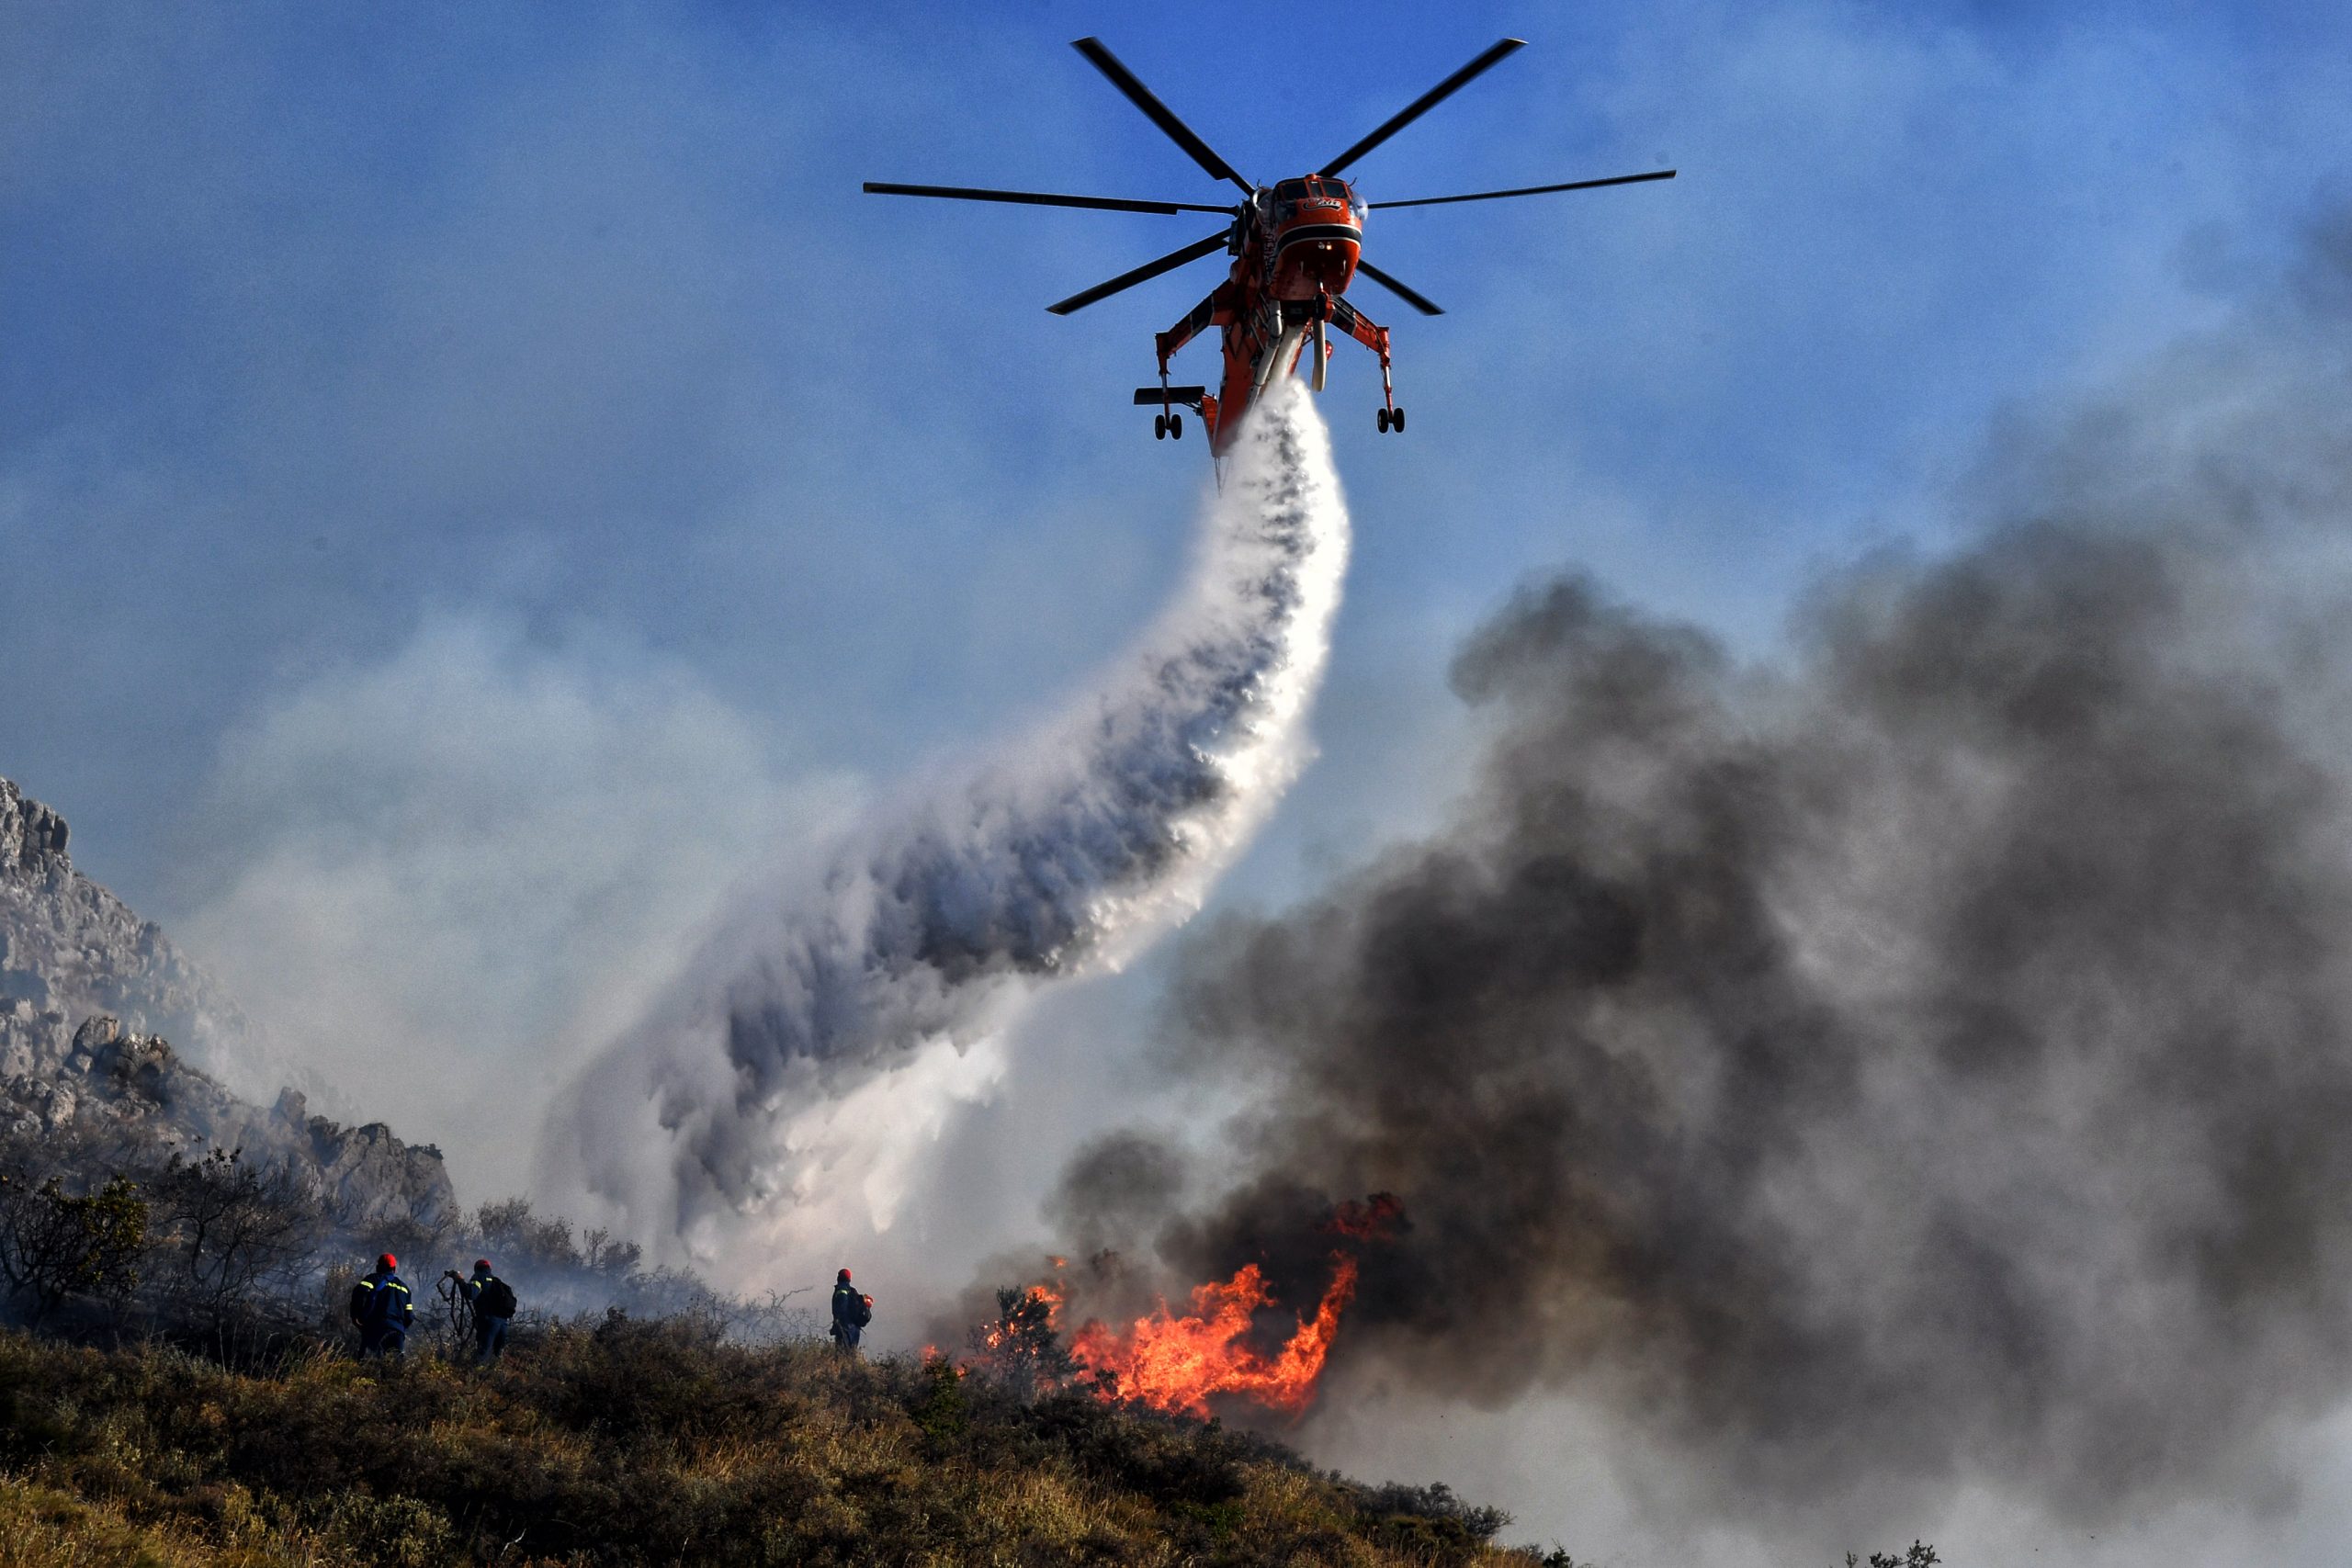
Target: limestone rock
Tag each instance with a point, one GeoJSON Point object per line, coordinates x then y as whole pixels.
{"type": "Point", "coordinates": [68, 945]}
{"type": "Point", "coordinates": [31, 834]}
{"type": "Point", "coordinates": [87, 993]}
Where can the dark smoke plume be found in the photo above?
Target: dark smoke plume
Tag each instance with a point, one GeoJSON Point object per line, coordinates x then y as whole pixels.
{"type": "Point", "coordinates": [1928, 1056]}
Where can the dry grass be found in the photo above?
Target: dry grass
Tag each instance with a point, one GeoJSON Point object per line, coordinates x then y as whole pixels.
{"type": "Point", "coordinates": [633, 1442]}
{"type": "Point", "coordinates": [43, 1527]}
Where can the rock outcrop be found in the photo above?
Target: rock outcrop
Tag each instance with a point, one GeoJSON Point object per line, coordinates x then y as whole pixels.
{"type": "Point", "coordinates": [88, 992]}
{"type": "Point", "coordinates": [68, 945]}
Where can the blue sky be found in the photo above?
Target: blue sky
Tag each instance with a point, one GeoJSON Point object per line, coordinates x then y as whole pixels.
{"type": "Point", "coordinates": [470, 477]}
{"type": "Point", "coordinates": [488, 459]}
{"type": "Point", "coordinates": [469, 432]}
{"type": "Point", "coordinates": [320, 324]}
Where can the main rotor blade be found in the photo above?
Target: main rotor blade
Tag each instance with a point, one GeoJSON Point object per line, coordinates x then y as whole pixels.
{"type": "Point", "coordinates": [1038, 198]}
{"type": "Point", "coordinates": [1398, 290]}
{"type": "Point", "coordinates": [1423, 104]}
{"type": "Point", "coordinates": [1160, 115]}
{"type": "Point", "coordinates": [1149, 270]}
{"type": "Point", "coordinates": [1533, 190]}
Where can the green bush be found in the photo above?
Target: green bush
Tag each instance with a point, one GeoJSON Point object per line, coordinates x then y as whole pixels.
{"type": "Point", "coordinates": [942, 1414]}
{"type": "Point", "coordinates": [54, 1244]}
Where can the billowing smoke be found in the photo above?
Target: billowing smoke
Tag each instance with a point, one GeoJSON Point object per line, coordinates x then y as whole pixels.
{"type": "Point", "coordinates": [823, 1026]}
{"type": "Point", "coordinates": [1926, 1056]}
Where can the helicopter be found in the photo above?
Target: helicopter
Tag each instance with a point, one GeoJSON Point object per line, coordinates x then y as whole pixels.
{"type": "Point", "coordinates": [1295, 246]}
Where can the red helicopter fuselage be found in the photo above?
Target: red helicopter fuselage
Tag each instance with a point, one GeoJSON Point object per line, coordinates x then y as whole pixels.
{"type": "Point", "coordinates": [1294, 247]}
{"type": "Point", "coordinates": [1317, 236]}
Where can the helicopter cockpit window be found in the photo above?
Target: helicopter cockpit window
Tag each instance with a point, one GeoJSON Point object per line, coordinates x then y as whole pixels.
{"type": "Point", "coordinates": [1291, 190]}
{"type": "Point", "coordinates": [1336, 191]}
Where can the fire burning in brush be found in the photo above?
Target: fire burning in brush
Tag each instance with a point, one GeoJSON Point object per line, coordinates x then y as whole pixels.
{"type": "Point", "coordinates": [1182, 1362]}
{"type": "Point", "coordinates": [1027, 1322]}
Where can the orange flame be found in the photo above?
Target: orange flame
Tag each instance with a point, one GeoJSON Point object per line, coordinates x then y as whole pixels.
{"type": "Point", "coordinates": [999, 1334]}
{"type": "Point", "coordinates": [1178, 1363]}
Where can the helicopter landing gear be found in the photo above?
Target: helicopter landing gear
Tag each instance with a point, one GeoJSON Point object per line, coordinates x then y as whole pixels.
{"type": "Point", "coordinates": [1391, 416]}
{"type": "Point", "coordinates": [1165, 403]}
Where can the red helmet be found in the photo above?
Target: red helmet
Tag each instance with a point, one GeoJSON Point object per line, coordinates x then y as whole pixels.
{"type": "Point", "coordinates": [844, 1276]}
{"type": "Point", "coordinates": [482, 1264]}
{"type": "Point", "coordinates": [388, 1261]}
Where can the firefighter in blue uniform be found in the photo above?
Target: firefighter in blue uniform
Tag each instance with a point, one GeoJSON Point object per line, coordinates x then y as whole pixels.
{"type": "Point", "coordinates": [381, 1310]}
{"type": "Point", "coordinates": [492, 1300]}
{"type": "Point", "coordinates": [851, 1312]}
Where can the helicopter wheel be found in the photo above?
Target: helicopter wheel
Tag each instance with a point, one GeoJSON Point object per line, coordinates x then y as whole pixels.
{"type": "Point", "coordinates": [1384, 420]}
{"type": "Point", "coordinates": [1159, 427]}
{"type": "Point", "coordinates": [1176, 425]}
{"type": "Point", "coordinates": [1397, 421]}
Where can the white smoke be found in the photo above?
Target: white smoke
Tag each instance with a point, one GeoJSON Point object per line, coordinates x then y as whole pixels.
{"type": "Point", "coordinates": [825, 1031]}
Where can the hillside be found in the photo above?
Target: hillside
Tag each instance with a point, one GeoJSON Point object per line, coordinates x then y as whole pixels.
{"type": "Point", "coordinates": [189, 1396]}
{"type": "Point", "coordinates": [638, 1442]}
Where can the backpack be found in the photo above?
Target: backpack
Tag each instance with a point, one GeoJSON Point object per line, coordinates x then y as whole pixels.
{"type": "Point", "coordinates": [496, 1300]}
{"type": "Point", "coordinates": [865, 1311]}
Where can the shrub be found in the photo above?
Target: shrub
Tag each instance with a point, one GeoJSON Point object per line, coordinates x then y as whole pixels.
{"type": "Point", "coordinates": [1921, 1555]}
{"type": "Point", "coordinates": [54, 1244]}
{"type": "Point", "coordinates": [1018, 1349]}
{"type": "Point", "coordinates": [1168, 1459]}
{"type": "Point", "coordinates": [601, 1253]}
{"type": "Point", "coordinates": [941, 1414]}
{"type": "Point", "coordinates": [231, 1231]}
{"type": "Point", "coordinates": [1429, 1522]}
{"type": "Point", "coordinates": [518, 1238]}
{"type": "Point", "coordinates": [400, 1532]}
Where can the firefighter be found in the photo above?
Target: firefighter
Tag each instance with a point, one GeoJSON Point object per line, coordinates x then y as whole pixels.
{"type": "Point", "coordinates": [851, 1312]}
{"type": "Point", "coordinates": [381, 1311]}
{"type": "Point", "coordinates": [492, 1300]}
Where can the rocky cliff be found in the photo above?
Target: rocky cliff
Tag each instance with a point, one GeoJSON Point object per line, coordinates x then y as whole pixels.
{"type": "Point", "coordinates": [68, 945]}
{"type": "Point", "coordinates": [89, 993]}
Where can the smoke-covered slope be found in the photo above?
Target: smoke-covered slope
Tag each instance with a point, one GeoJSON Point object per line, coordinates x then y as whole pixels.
{"type": "Point", "coordinates": [1047, 859]}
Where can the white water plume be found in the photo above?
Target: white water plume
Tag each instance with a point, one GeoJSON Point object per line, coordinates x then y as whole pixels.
{"type": "Point", "coordinates": [829, 1026]}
